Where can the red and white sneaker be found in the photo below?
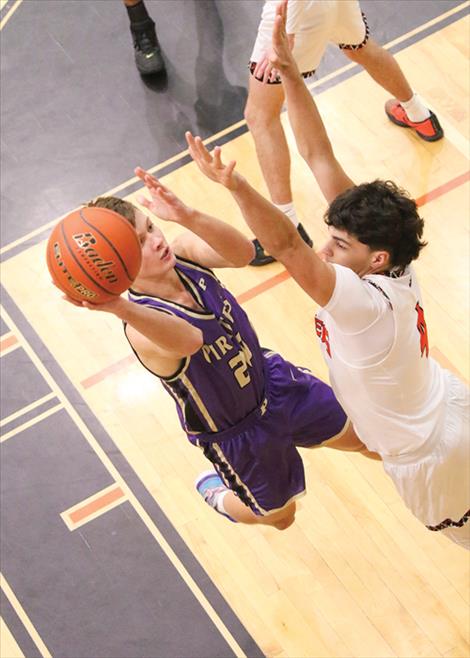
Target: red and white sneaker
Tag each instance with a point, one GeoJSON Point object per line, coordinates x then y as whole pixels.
{"type": "Point", "coordinates": [430, 129]}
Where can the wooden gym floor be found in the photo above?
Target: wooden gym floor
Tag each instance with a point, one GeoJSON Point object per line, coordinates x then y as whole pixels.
{"type": "Point", "coordinates": [106, 549]}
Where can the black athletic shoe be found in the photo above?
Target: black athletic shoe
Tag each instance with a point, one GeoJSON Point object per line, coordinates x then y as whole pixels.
{"type": "Point", "coordinates": [262, 258]}
{"type": "Point", "coordinates": [148, 55]}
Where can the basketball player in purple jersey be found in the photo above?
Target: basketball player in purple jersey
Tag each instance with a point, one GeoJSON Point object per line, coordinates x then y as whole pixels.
{"type": "Point", "coordinates": [247, 408]}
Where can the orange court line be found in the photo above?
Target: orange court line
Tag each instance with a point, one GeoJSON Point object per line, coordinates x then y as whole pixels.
{"type": "Point", "coordinates": [262, 287]}
{"type": "Point", "coordinates": [109, 370]}
{"type": "Point", "coordinates": [279, 278]}
{"type": "Point", "coordinates": [443, 189]}
{"type": "Point", "coordinates": [8, 342]}
{"type": "Point", "coordinates": [96, 505]}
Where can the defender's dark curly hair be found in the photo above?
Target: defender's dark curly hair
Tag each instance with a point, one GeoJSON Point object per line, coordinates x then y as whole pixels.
{"type": "Point", "coordinates": [382, 216]}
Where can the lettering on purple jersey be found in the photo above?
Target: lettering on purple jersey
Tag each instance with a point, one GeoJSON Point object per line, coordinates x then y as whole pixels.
{"type": "Point", "coordinates": [217, 349]}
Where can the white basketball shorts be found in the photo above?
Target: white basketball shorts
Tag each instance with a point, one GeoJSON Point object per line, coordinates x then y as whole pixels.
{"type": "Point", "coordinates": [319, 22]}
{"type": "Point", "coordinates": [436, 484]}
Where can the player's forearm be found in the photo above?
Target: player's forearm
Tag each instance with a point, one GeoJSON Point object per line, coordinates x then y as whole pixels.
{"type": "Point", "coordinates": [223, 238]}
{"type": "Point", "coordinates": [270, 225]}
{"type": "Point", "coordinates": [169, 333]}
{"type": "Point", "coordinates": [312, 139]}
{"type": "Point", "coordinates": [307, 124]}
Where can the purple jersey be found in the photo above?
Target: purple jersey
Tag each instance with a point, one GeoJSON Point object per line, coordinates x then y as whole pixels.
{"type": "Point", "coordinates": [247, 408]}
{"type": "Point", "coordinates": [223, 382]}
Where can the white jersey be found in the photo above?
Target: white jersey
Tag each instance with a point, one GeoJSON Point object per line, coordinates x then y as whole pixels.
{"type": "Point", "coordinates": [402, 403]}
{"type": "Point", "coordinates": [374, 340]}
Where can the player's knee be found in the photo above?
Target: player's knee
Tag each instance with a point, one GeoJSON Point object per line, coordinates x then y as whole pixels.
{"type": "Point", "coordinates": [354, 55]}
{"type": "Point", "coordinates": [369, 52]}
{"type": "Point", "coordinates": [260, 116]}
{"type": "Point", "coordinates": [285, 523]}
{"type": "Point", "coordinates": [286, 519]}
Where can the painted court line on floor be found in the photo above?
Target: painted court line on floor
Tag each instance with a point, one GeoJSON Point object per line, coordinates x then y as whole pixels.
{"type": "Point", "coordinates": [101, 502]}
{"type": "Point", "coordinates": [274, 281]}
{"type": "Point", "coordinates": [9, 14]}
{"type": "Point", "coordinates": [25, 620]}
{"type": "Point", "coordinates": [8, 342]}
{"type": "Point", "coordinates": [30, 423]}
{"type": "Point", "coordinates": [110, 370]}
{"type": "Point", "coordinates": [262, 287]}
{"type": "Point", "coordinates": [28, 408]}
{"type": "Point", "coordinates": [443, 189]}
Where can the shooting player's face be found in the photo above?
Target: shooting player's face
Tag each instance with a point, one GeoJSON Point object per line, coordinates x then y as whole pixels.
{"type": "Point", "coordinates": [157, 257]}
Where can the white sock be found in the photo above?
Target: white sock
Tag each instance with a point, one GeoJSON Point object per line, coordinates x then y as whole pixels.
{"type": "Point", "coordinates": [289, 210]}
{"type": "Point", "coordinates": [415, 110]}
{"type": "Point", "coordinates": [219, 503]}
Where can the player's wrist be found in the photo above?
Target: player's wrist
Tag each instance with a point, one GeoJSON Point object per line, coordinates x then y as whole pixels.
{"type": "Point", "coordinates": [236, 182]}
{"type": "Point", "coordinates": [117, 307]}
{"type": "Point", "coordinates": [289, 72]}
{"type": "Point", "coordinates": [188, 216]}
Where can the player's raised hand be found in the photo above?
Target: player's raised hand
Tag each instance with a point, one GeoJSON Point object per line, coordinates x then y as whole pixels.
{"type": "Point", "coordinates": [211, 164]}
{"type": "Point", "coordinates": [264, 70]}
{"type": "Point", "coordinates": [281, 57]}
{"type": "Point", "coordinates": [163, 203]}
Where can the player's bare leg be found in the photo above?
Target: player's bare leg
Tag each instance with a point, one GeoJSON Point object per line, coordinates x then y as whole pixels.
{"type": "Point", "coordinates": [383, 68]}
{"type": "Point", "coordinates": [262, 114]}
{"type": "Point", "coordinates": [241, 513]}
{"type": "Point", "coordinates": [225, 501]}
{"type": "Point", "coordinates": [406, 108]}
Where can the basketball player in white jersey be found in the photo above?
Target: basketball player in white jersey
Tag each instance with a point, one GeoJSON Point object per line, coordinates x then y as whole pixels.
{"type": "Point", "coordinates": [371, 324]}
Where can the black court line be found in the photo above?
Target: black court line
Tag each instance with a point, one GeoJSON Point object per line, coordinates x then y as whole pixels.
{"type": "Point", "coordinates": [134, 483]}
{"type": "Point", "coordinates": [30, 385]}
{"type": "Point", "coordinates": [30, 415]}
{"type": "Point", "coordinates": [6, 8]}
{"type": "Point", "coordinates": [17, 628]}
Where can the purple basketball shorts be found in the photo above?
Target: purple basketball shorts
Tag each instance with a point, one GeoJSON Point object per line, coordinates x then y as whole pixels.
{"type": "Point", "coordinates": [259, 459]}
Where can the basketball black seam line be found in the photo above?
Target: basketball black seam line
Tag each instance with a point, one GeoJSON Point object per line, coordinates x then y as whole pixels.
{"type": "Point", "coordinates": [108, 241]}
{"type": "Point", "coordinates": [109, 292]}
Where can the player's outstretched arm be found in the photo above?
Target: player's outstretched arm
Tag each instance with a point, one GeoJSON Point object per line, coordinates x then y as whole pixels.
{"type": "Point", "coordinates": [152, 333]}
{"type": "Point", "coordinates": [275, 232]}
{"type": "Point", "coordinates": [307, 125]}
{"type": "Point", "coordinates": [210, 242]}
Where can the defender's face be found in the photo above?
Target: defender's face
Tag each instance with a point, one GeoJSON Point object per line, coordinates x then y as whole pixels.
{"type": "Point", "coordinates": [342, 248]}
{"type": "Point", "coordinates": [157, 257]}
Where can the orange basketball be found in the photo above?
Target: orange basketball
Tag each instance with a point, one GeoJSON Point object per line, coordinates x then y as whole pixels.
{"type": "Point", "coordinates": [93, 255]}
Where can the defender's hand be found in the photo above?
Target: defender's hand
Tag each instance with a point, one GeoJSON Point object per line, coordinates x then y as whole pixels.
{"type": "Point", "coordinates": [281, 57]}
{"type": "Point", "coordinates": [211, 165]}
{"type": "Point", "coordinates": [163, 203]}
